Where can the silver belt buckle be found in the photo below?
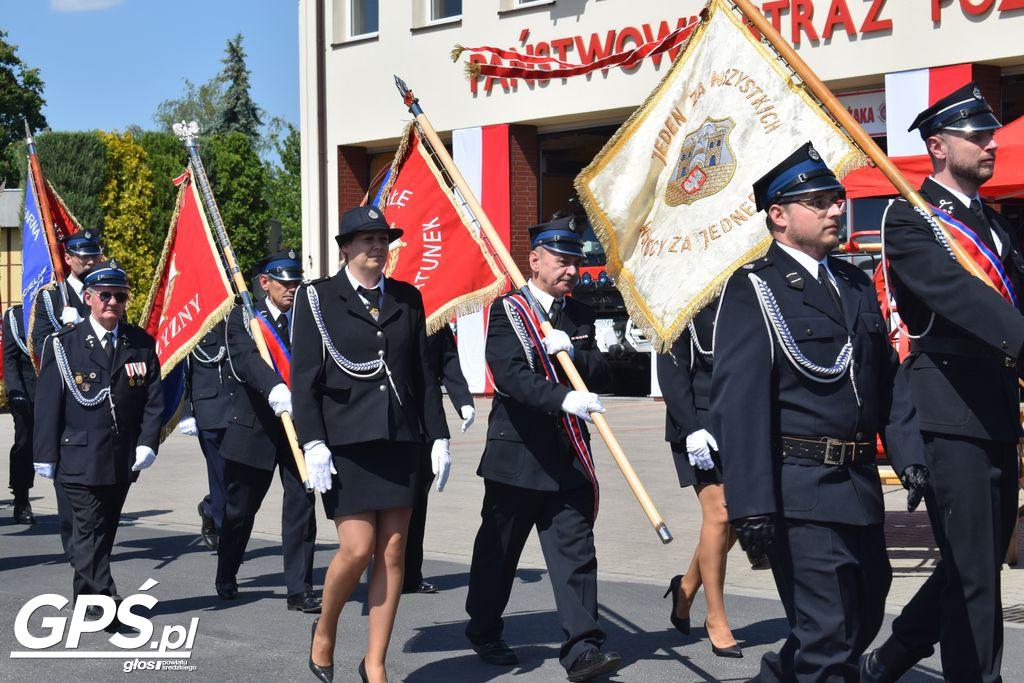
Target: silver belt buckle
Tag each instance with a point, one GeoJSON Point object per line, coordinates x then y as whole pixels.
{"type": "Point", "coordinates": [835, 451]}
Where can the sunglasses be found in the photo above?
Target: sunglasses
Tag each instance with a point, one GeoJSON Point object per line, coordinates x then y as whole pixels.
{"type": "Point", "coordinates": [119, 297]}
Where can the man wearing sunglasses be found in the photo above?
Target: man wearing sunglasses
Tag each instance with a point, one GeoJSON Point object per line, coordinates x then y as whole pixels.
{"type": "Point", "coordinates": [964, 363]}
{"type": "Point", "coordinates": [803, 381]}
{"type": "Point", "coordinates": [97, 422]}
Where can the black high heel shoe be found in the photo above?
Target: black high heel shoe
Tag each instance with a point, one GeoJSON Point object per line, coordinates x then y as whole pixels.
{"type": "Point", "coordinates": [731, 652]}
{"type": "Point", "coordinates": [324, 673]}
{"type": "Point", "coordinates": [362, 671]}
{"type": "Point", "coordinates": [682, 625]}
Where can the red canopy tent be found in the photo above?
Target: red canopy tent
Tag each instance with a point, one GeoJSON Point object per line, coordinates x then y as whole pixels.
{"type": "Point", "coordinates": [1008, 180]}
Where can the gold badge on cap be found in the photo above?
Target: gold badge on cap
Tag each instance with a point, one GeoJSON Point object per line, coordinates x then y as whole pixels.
{"type": "Point", "coordinates": [813, 154]}
{"type": "Point", "coordinates": [373, 214]}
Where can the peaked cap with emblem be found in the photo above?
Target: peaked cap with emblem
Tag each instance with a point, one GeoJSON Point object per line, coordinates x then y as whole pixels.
{"type": "Point", "coordinates": [83, 243]}
{"type": "Point", "coordinates": [801, 172]}
{"type": "Point", "coordinates": [106, 274]}
{"type": "Point", "coordinates": [963, 109]}
{"type": "Point", "coordinates": [562, 235]}
{"type": "Point", "coordinates": [283, 266]}
{"type": "Point", "coordinates": [364, 219]}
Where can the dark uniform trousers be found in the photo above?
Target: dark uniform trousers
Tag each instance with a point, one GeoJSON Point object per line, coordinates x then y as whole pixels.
{"type": "Point", "coordinates": [828, 557]}
{"type": "Point", "coordinates": [211, 388]}
{"type": "Point", "coordinates": [254, 445]}
{"type": "Point", "coordinates": [20, 383]}
{"type": "Point", "coordinates": [963, 373]}
{"type": "Point", "coordinates": [533, 479]}
{"type": "Point", "coordinates": [444, 364]}
{"type": "Point", "coordinates": [42, 327]}
{"type": "Point", "coordinates": [93, 459]}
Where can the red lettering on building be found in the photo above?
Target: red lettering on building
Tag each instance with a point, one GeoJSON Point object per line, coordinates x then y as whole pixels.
{"type": "Point", "coordinates": [838, 15]}
{"type": "Point", "coordinates": [800, 20]}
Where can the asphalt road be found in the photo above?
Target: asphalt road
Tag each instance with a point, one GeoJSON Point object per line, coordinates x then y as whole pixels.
{"type": "Point", "coordinates": [256, 639]}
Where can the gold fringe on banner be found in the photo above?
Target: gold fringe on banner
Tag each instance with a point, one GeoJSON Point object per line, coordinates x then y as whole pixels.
{"type": "Point", "coordinates": [457, 52]}
{"type": "Point", "coordinates": [472, 70]}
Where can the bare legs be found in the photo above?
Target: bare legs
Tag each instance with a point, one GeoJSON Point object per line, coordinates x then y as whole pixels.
{"type": "Point", "coordinates": [707, 567]}
{"type": "Point", "coordinates": [380, 535]}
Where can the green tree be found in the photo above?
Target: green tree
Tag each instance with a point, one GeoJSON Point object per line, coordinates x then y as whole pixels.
{"type": "Point", "coordinates": [75, 164]}
{"type": "Point", "coordinates": [166, 159]}
{"type": "Point", "coordinates": [237, 179]}
{"type": "Point", "coordinates": [283, 190]}
{"type": "Point", "coordinates": [199, 103]}
{"type": "Point", "coordinates": [238, 112]}
{"type": "Point", "coordinates": [21, 99]}
{"type": "Point", "coordinates": [126, 199]}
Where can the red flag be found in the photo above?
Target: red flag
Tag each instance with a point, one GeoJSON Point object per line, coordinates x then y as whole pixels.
{"type": "Point", "coordinates": [191, 292]}
{"type": "Point", "coordinates": [441, 252]}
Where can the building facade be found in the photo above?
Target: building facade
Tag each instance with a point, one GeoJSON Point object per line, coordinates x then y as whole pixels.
{"type": "Point", "coordinates": [521, 143]}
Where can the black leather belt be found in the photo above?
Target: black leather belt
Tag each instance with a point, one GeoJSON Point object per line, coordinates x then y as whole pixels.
{"type": "Point", "coordinates": [960, 347]}
{"type": "Point", "coordinates": [827, 450]}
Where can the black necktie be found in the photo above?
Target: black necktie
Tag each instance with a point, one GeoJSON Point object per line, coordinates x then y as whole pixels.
{"type": "Point", "coordinates": [826, 282]}
{"type": "Point", "coordinates": [108, 346]}
{"type": "Point", "coordinates": [556, 311]}
{"type": "Point", "coordinates": [979, 211]}
{"type": "Point", "coordinates": [372, 296]}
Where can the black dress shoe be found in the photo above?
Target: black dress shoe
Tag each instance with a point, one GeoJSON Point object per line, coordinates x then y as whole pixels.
{"type": "Point", "coordinates": [732, 652]}
{"type": "Point", "coordinates": [227, 590]}
{"type": "Point", "coordinates": [682, 624]}
{"type": "Point", "coordinates": [362, 672]}
{"type": "Point", "coordinates": [593, 663]}
{"type": "Point", "coordinates": [421, 587]}
{"type": "Point", "coordinates": [306, 602]}
{"type": "Point", "coordinates": [208, 531]}
{"type": "Point", "coordinates": [496, 652]}
{"type": "Point", "coordinates": [93, 612]}
{"type": "Point", "coordinates": [23, 513]}
{"type": "Point", "coordinates": [324, 673]}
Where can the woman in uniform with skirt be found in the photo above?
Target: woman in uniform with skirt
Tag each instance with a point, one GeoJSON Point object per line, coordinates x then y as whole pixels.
{"type": "Point", "coordinates": [365, 405]}
{"type": "Point", "coordinates": [685, 379]}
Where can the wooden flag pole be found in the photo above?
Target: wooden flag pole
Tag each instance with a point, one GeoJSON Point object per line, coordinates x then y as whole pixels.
{"type": "Point", "coordinates": [512, 270]}
{"type": "Point", "coordinates": [854, 129]}
{"type": "Point", "coordinates": [187, 133]}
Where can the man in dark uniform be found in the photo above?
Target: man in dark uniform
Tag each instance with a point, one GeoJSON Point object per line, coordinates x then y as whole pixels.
{"type": "Point", "coordinates": [804, 379]}
{"type": "Point", "coordinates": [210, 390]}
{"type": "Point", "coordinates": [962, 368]}
{"type": "Point", "coordinates": [536, 465]}
{"type": "Point", "coordinates": [97, 421]}
{"type": "Point", "coordinates": [255, 444]}
{"type": "Point", "coordinates": [444, 363]}
{"type": "Point", "coordinates": [82, 250]}
{"type": "Point", "coordinates": [20, 382]}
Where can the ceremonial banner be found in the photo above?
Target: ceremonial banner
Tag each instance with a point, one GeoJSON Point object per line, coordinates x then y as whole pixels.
{"type": "Point", "coordinates": [441, 252]}
{"type": "Point", "coordinates": [190, 295]}
{"type": "Point", "coordinates": [670, 195]}
{"type": "Point", "coordinates": [36, 269]}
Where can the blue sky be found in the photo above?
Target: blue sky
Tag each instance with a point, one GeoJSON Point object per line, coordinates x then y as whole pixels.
{"type": "Point", "coordinates": [107, 64]}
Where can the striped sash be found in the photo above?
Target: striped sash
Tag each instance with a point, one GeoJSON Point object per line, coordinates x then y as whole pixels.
{"type": "Point", "coordinates": [986, 259]}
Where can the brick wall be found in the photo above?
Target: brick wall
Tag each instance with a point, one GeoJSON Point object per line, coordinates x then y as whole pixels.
{"type": "Point", "coordinates": [524, 178]}
{"type": "Point", "coordinates": [353, 181]}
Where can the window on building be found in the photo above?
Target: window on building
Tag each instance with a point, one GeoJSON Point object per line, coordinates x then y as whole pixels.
{"type": "Point", "coordinates": [445, 9]}
{"type": "Point", "coordinates": [365, 17]}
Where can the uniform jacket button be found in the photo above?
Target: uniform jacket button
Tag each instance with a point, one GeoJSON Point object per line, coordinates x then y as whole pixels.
{"type": "Point", "coordinates": [859, 436]}
{"type": "Point", "coordinates": [380, 354]}
{"type": "Point", "coordinates": [383, 388]}
{"type": "Point", "coordinates": [380, 333]}
{"type": "Point", "coordinates": [808, 332]}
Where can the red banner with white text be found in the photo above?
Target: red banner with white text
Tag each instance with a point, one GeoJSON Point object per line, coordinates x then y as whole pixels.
{"type": "Point", "coordinates": [441, 252]}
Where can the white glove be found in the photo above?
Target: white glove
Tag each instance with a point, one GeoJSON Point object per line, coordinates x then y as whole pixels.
{"type": "Point", "coordinates": [581, 404]}
{"type": "Point", "coordinates": [44, 469]}
{"type": "Point", "coordinates": [557, 340]}
{"type": "Point", "coordinates": [319, 465]}
{"type": "Point", "coordinates": [70, 316]}
{"type": "Point", "coordinates": [698, 449]}
{"type": "Point", "coordinates": [188, 427]}
{"type": "Point", "coordinates": [144, 457]}
{"type": "Point", "coordinates": [440, 462]}
{"type": "Point", "coordinates": [468, 416]}
{"type": "Point", "coordinates": [280, 399]}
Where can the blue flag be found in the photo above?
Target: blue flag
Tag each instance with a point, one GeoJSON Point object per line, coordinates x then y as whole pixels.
{"type": "Point", "coordinates": [37, 271]}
